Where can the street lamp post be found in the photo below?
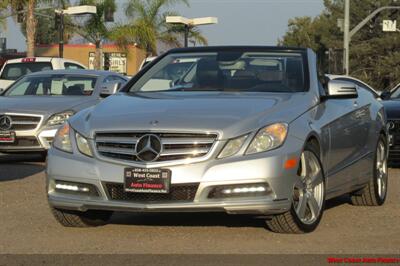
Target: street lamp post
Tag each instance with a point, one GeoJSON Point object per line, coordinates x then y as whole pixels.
{"type": "Point", "coordinates": [190, 23]}
{"type": "Point", "coordinates": [73, 10]}
{"type": "Point", "coordinates": [346, 41]}
{"type": "Point", "coordinates": [61, 36]}
{"type": "Point", "coordinates": [348, 34]}
{"type": "Point", "coordinates": [187, 30]}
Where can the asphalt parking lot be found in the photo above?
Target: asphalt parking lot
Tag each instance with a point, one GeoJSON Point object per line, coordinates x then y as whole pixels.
{"type": "Point", "coordinates": [27, 227]}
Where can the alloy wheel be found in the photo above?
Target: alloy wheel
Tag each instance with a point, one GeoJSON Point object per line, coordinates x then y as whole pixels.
{"type": "Point", "coordinates": [309, 191]}
{"type": "Point", "coordinates": [381, 169]}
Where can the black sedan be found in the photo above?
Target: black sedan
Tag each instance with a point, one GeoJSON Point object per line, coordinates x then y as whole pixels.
{"type": "Point", "coordinates": [392, 107]}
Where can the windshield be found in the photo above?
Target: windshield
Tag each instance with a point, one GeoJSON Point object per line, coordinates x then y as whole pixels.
{"type": "Point", "coordinates": [56, 85]}
{"type": "Point", "coordinates": [226, 71]}
{"type": "Point", "coordinates": [395, 94]}
{"type": "Point", "coordinates": [14, 71]}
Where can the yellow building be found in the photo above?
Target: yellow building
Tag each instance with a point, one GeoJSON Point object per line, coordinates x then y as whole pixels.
{"type": "Point", "coordinates": [114, 58]}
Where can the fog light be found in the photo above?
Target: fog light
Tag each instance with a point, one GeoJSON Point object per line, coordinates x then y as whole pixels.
{"type": "Point", "coordinates": [72, 188]}
{"type": "Point", "coordinates": [240, 190]}
{"type": "Point", "coordinates": [243, 190]}
{"type": "Point", "coordinates": [76, 188]}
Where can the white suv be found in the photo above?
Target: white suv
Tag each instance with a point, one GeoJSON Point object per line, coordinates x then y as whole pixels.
{"type": "Point", "coordinates": [16, 68]}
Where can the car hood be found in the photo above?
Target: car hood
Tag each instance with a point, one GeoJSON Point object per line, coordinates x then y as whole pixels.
{"type": "Point", "coordinates": [228, 114]}
{"type": "Point", "coordinates": [42, 105]}
{"type": "Point", "coordinates": [392, 108]}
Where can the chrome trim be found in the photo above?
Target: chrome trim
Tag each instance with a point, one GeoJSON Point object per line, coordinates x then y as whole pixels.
{"type": "Point", "coordinates": [122, 140]}
{"type": "Point", "coordinates": [39, 124]}
{"type": "Point", "coordinates": [166, 152]}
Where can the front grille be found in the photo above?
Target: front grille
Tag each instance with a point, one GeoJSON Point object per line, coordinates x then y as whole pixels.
{"type": "Point", "coordinates": [22, 142]}
{"type": "Point", "coordinates": [178, 193]}
{"type": "Point", "coordinates": [175, 146]}
{"type": "Point", "coordinates": [23, 122]}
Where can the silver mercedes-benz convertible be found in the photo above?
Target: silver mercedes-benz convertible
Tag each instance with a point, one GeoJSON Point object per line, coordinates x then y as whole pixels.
{"type": "Point", "coordinates": [244, 130]}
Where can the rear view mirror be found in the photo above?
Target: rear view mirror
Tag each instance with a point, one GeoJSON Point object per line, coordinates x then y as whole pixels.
{"type": "Point", "coordinates": [110, 88]}
{"type": "Point", "coordinates": [338, 89]}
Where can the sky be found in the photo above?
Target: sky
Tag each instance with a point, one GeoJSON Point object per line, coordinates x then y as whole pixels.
{"type": "Point", "coordinates": [241, 22]}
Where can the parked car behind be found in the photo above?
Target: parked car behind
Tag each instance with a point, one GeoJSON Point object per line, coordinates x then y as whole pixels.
{"type": "Point", "coordinates": [391, 101]}
{"type": "Point", "coordinates": [33, 108]}
{"type": "Point", "coordinates": [242, 130]}
{"type": "Point", "coordinates": [15, 68]}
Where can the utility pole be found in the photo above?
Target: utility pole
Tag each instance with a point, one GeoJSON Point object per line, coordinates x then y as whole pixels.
{"type": "Point", "coordinates": [346, 41]}
{"type": "Point", "coordinates": [61, 35]}
{"type": "Point", "coordinates": [187, 30]}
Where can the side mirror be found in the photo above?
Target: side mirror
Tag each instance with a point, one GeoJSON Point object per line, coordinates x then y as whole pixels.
{"type": "Point", "coordinates": [385, 95]}
{"type": "Point", "coordinates": [340, 89]}
{"type": "Point", "coordinates": [110, 88]}
{"type": "Point", "coordinates": [1, 91]}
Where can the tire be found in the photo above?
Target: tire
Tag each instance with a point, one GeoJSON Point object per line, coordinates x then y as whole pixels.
{"type": "Point", "coordinates": [90, 218]}
{"type": "Point", "coordinates": [308, 197]}
{"type": "Point", "coordinates": [375, 192]}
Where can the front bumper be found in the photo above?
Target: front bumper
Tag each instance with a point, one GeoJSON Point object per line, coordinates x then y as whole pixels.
{"type": "Point", "coordinates": [30, 141]}
{"type": "Point", "coordinates": [267, 168]}
{"type": "Point", "coordinates": [249, 206]}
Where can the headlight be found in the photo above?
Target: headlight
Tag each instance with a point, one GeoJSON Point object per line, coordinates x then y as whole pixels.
{"type": "Point", "coordinates": [268, 138]}
{"type": "Point", "coordinates": [59, 119]}
{"type": "Point", "coordinates": [83, 145]}
{"type": "Point", "coordinates": [62, 141]}
{"type": "Point", "coordinates": [232, 147]}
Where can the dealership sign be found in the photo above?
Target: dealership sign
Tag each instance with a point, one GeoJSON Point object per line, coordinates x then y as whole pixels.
{"type": "Point", "coordinates": [115, 62]}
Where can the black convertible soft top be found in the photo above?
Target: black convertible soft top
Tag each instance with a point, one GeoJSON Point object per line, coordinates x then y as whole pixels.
{"type": "Point", "coordinates": [237, 48]}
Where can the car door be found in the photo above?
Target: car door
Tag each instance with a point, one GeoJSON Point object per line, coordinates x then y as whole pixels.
{"type": "Point", "coordinates": [362, 114]}
{"type": "Point", "coordinates": [363, 122]}
{"type": "Point", "coordinates": [345, 126]}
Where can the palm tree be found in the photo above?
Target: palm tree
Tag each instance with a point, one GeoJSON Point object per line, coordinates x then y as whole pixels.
{"type": "Point", "coordinates": [28, 6]}
{"type": "Point", "coordinates": [95, 29]}
{"type": "Point", "coordinates": [3, 15]}
{"type": "Point", "coordinates": [30, 21]}
{"type": "Point", "coordinates": [45, 31]}
{"type": "Point", "coordinates": [195, 35]}
{"type": "Point", "coordinates": [147, 27]}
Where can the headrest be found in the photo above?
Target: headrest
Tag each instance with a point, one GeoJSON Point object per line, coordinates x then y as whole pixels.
{"type": "Point", "coordinates": [74, 90]}
{"type": "Point", "coordinates": [209, 74]}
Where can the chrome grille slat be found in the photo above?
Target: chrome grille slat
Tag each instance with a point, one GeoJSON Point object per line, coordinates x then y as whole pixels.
{"type": "Point", "coordinates": [124, 151]}
{"type": "Point", "coordinates": [124, 140]}
{"type": "Point", "coordinates": [175, 146]}
{"type": "Point", "coordinates": [175, 141]}
{"type": "Point", "coordinates": [184, 152]}
{"type": "Point", "coordinates": [24, 123]}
